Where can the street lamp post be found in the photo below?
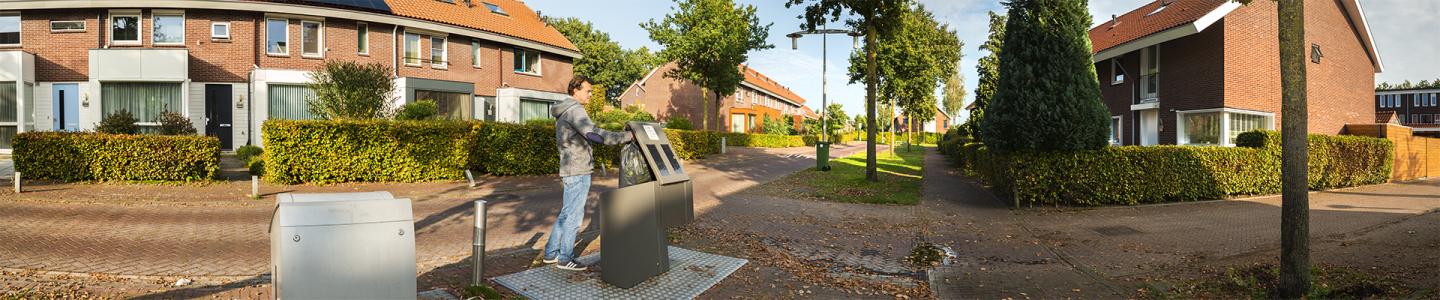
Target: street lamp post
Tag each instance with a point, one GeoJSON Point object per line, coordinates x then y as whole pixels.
{"type": "Point", "coordinates": [824, 67]}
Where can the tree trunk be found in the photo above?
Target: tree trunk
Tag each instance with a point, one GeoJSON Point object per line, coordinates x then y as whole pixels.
{"type": "Point", "coordinates": [871, 174]}
{"type": "Point", "coordinates": [1294, 158]}
{"type": "Point", "coordinates": [705, 111]}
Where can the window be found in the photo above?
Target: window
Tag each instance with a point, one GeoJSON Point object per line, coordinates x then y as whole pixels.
{"type": "Point", "coordinates": [220, 30]}
{"type": "Point", "coordinates": [412, 49]}
{"type": "Point", "coordinates": [1149, 69]}
{"type": "Point", "coordinates": [9, 122]}
{"type": "Point", "coordinates": [455, 106]}
{"type": "Point", "coordinates": [312, 39]}
{"type": "Point", "coordinates": [1114, 130]}
{"type": "Point", "coordinates": [1117, 72]}
{"type": "Point", "coordinates": [1432, 99]}
{"type": "Point", "coordinates": [65, 26]}
{"type": "Point", "coordinates": [527, 61]}
{"type": "Point", "coordinates": [437, 52]}
{"type": "Point", "coordinates": [362, 38]}
{"type": "Point", "coordinates": [10, 30]}
{"type": "Point", "coordinates": [1202, 128]}
{"type": "Point", "coordinates": [737, 122]}
{"type": "Point", "coordinates": [495, 9]}
{"type": "Point", "coordinates": [125, 29]}
{"type": "Point", "coordinates": [1414, 118]}
{"type": "Point", "coordinates": [1240, 123]}
{"type": "Point", "coordinates": [1402, 118]}
{"type": "Point", "coordinates": [143, 99]}
{"type": "Point", "coordinates": [277, 36]}
{"type": "Point", "coordinates": [168, 29]}
{"type": "Point", "coordinates": [1426, 119]}
{"type": "Point", "coordinates": [288, 102]}
{"type": "Point", "coordinates": [475, 54]}
{"type": "Point", "coordinates": [530, 110]}
{"type": "Point", "coordinates": [1416, 99]}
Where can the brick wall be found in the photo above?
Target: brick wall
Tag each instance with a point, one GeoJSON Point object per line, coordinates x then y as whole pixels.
{"type": "Point", "coordinates": [59, 56]}
{"type": "Point", "coordinates": [665, 97]}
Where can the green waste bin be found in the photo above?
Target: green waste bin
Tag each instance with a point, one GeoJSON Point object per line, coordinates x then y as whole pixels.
{"type": "Point", "coordinates": [822, 156]}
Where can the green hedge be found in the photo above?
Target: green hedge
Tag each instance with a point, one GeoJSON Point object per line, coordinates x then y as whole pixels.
{"type": "Point", "coordinates": [105, 157]}
{"type": "Point", "coordinates": [1134, 174]}
{"type": "Point", "coordinates": [407, 151]}
{"type": "Point", "coordinates": [739, 139]}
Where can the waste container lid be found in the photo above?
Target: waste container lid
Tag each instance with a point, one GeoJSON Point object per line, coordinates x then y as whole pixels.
{"type": "Point", "coordinates": [320, 197]}
{"type": "Point", "coordinates": [293, 214]}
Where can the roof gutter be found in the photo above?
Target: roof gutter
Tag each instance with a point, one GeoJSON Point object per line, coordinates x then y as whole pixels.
{"type": "Point", "coordinates": [1352, 7]}
{"type": "Point", "coordinates": [294, 9]}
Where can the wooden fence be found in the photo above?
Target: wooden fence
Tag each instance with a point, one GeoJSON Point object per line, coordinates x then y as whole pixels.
{"type": "Point", "coordinates": [1415, 157]}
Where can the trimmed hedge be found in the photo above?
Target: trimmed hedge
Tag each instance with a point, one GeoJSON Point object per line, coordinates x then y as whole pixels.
{"type": "Point", "coordinates": [339, 151]}
{"type": "Point", "coordinates": [738, 139]}
{"type": "Point", "coordinates": [95, 156]}
{"type": "Point", "coordinates": [1134, 174]}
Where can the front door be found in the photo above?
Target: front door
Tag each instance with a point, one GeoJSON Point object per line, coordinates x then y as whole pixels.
{"type": "Point", "coordinates": [1149, 127]}
{"type": "Point", "coordinates": [67, 107]}
{"type": "Point", "coordinates": [217, 114]}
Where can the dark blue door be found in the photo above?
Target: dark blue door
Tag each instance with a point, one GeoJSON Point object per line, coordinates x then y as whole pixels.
{"type": "Point", "coordinates": [217, 114]}
{"type": "Point", "coordinates": [67, 107]}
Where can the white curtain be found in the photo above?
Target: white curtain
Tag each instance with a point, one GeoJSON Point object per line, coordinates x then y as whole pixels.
{"type": "Point", "coordinates": [145, 100]}
{"type": "Point", "coordinates": [450, 105]}
{"type": "Point", "coordinates": [534, 110]}
{"type": "Point", "coordinates": [1240, 123]}
{"type": "Point", "coordinates": [288, 102]}
{"type": "Point", "coordinates": [8, 112]}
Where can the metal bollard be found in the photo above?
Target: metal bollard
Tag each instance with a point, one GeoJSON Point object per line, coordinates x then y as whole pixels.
{"type": "Point", "coordinates": [722, 145]}
{"type": "Point", "coordinates": [470, 177]}
{"type": "Point", "coordinates": [17, 182]}
{"type": "Point", "coordinates": [254, 186]}
{"type": "Point", "coordinates": [478, 253]}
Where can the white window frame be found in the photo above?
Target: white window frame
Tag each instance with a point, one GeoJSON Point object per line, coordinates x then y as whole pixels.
{"type": "Point", "coordinates": [362, 39]}
{"type": "Point", "coordinates": [82, 26]}
{"type": "Point", "coordinates": [1119, 130]}
{"type": "Point", "coordinates": [20, 27]}
{"type": "Point", "coordinates": [1116, 69]}
{"type": "Point", "coordinates": [160, 13]}
{"type": "Point", "coordinates": [475, 53]}
{"type": "Point", "coordinates": [286, 38]}
{"type": "Point", "coordinates": [444, 52]}
{"type": "Point", "coordinates": [228, 28]}
{"type": "Point", "coordinates": [319, 40]}
{"type": "Point", "coordinates": [139, 28]}
{"type": "Point", "coordinates": [539, 65]}
{"type": "Point", "coordinates": [1145, 54]}
{"type": "Point", "coordinates": [1417, 99]}
{"type": "Point", "coordinates": [1182, 139]}
{"type": "Point", "coordinates": [404, 48]}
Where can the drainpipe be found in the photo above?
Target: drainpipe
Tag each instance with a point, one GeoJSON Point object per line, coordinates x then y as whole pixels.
{"type": "Point", "coordinates": [395, 48]}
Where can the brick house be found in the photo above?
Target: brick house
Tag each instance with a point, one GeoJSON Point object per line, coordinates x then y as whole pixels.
{"type": "Point", "coordinates": [757, 97]}
{"type": "Point", "coordinates": [1418, 109]}
{"type": "Point", "coordinates": [230, 65]}
{"type": "Point", "coordinates": [1199, 72]}
{"type": "Point", "coordinates": [940, 124]}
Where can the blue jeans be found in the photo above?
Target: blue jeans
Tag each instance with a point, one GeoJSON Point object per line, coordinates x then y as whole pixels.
{"type": "Point", "coordinates": [572, 213]}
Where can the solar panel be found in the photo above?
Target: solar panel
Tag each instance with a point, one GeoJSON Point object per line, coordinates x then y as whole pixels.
{"type": "Point", "coordinates": [371, 4]}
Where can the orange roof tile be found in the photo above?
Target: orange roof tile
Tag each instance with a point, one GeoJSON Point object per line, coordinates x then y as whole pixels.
{"type": "Point", "coordinates": [1140, 22]}
{"type": "Point", "coordinates": [1384, 117]}
{"type": "Point", "coordinates": [522, 22]}
{"type": "Point", "coordinates": [754, 77]}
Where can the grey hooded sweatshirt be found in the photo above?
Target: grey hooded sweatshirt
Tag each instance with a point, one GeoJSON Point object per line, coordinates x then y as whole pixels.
{"type": "Point", "coordinates": [573, 134]}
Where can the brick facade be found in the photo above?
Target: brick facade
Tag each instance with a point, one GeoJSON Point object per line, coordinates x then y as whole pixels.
{"type": "Point", "coordinates": [1234, 64]}
{"type": "Point", "coordinates": [665, 97]}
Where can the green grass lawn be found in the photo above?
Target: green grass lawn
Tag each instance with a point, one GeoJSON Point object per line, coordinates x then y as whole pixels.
{"type": "Point", "coordinates": [845, 182]}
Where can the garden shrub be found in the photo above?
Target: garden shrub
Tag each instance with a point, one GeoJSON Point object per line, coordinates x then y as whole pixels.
{"type": "Point", "coordinates": [418, 111]}
{"type": "Point", "coordinates": [110, 157]}
{"type": "Point", "coordinates": [737, 139]}
{"type": "Point", "coordinates": [541, 122]}
{"type": "Point", "coordinates": [256, 165]}
{"type": "Point", "coordinates": [1134, 174]}
{"type": "Point", "coordinates": [118, 122]}
{"type": "Point", "coordinates": [172, 123]}
{"type": "Point", "coordinates": [347, 150]}
{"type": "Point", "coordinates": [679, 122]}
{"type": "Point", "coordinates": [244, 153]}
{"type": "Point", "coordinates": [614, 120]}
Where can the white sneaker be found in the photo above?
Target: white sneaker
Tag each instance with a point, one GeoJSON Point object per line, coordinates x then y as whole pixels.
{"type": "Point", "coordinates": [550, 260]}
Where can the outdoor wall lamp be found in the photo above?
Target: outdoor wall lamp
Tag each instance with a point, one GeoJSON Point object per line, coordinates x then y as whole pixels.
{"type": "Point", "coordinates": [240, 102]}
{"type": "Point", "coordinates": [86, 102]}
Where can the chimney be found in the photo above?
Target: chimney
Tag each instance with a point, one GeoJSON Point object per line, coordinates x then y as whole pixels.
{"type": "Point", "coordinates": [1114, 19]}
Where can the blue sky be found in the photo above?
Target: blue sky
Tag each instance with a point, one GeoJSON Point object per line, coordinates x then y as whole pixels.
{"type": "Point", "coordinates": [1404, 32]}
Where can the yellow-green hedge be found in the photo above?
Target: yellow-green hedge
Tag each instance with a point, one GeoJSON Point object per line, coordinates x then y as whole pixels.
{"type": "Point", "coordinates": [106, 157]}
{"type": "Point", "coordinates": [407, 151]}
{"type": "Point", "coordinates": [738, 139]}
{"type": "Point", "coordinates": [1134, 174]}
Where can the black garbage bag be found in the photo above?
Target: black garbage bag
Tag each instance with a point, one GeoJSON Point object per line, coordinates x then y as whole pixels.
{"type": "Point", "coordinates": [633, 168]}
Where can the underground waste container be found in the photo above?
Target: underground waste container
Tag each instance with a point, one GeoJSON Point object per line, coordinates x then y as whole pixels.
{"type": "Point", "coordinates": [342, 246]}
{"type": "Point", "coordinates": [655, 193]}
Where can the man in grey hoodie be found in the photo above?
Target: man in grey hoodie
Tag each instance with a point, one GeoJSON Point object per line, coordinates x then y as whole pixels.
{"type": "Point", "coordinates": [573, 134]}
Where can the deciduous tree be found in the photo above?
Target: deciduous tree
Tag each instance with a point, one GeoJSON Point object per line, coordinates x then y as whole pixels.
{"type": "Point", "coordinates": [708, 40]}
{"type": "Point", "coordinates": [605, 62]}
{"type": "Point", "coordinates": [988, 68]}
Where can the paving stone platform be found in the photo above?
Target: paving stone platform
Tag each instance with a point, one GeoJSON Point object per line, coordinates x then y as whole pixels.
{"type": "Point", "coordinates": [691, 273]}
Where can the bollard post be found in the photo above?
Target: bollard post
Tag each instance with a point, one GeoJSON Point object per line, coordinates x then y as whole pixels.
{"type": "Point", "coordinates": [254, 186]}
{"type": "Point", "coordinates": [478, 253]}
{"type": "Point", "coordinates": [722, 145]}
{"type": "Point", "coordinates": [17, 182]}
{"type": "Point", "coordinates": [470, 177]}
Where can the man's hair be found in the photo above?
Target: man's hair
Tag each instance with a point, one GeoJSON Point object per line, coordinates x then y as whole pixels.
{"type": "Point", "coordinates": [575, 83]}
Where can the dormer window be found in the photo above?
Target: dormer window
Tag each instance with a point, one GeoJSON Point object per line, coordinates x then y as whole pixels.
{"type": "Point", "coordinates": [495, 9]}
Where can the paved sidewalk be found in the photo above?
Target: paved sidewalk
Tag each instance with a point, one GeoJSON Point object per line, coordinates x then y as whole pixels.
{"type": "Point", "coordinates": [225, 239]}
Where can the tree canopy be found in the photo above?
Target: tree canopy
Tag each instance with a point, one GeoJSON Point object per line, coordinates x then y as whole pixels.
{"type": "Point", "coordinates": [1048, 96]}
{"type": "Point", "coordinates": [911, 61]}
{"type": "Point", "coordinates": [708, 40]}
{"type": "Point", "coordinates": [988, 68]}
{"type": "Point", "coordinates": [606, 64]}
{"type": "Point", "coordinates": [954, 97]}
